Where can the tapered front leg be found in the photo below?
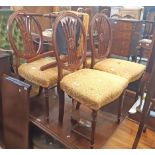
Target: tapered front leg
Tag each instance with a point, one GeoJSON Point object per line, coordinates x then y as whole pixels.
{"type": "Point", "coordinates": [94, 115]}
{"type": "Point", "coordinates": [61, 105]}
{"type": "Point", "coordinates": [121, 101]}
{"type": "Point", "coordinates": [46, 104]}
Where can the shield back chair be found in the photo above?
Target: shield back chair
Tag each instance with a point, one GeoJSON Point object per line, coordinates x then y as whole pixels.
{"type": "Point", "coordinates": [149, 103]}
{"type": "Point", "coordinates": [92, 89]}
{"type": "Point", "coordinates": [29, 60]}
{"type": "Point", "coordinates": [101, 42]}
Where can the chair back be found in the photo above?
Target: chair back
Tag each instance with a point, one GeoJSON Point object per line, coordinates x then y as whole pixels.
{"type": "Point", "coordinates": [68, 29]}
{"type": "Point", "coordinates": [28, 28]}
{"type": "Point", "coordinates": [152, 56]}
{"type": "Point", "coordinates": [100, 37]}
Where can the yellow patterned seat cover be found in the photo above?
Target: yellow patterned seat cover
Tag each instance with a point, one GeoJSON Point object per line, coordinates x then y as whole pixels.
{"type": "Point", "coordinates": [93, 88]}
{"type": "Point", "coordinates": [31, 72]}
{"type": "Point", "coordinates": [130, 70]}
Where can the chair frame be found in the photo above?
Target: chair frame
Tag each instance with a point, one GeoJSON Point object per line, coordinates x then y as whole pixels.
{"type": "Point", "coordinates": [30, 54]}
{"type": "Point", "coordinates": [146, 76]}
{"type": "Point", "coordinates": [150, 100]}
{"type": "Point", "coordinates": [73, 64]}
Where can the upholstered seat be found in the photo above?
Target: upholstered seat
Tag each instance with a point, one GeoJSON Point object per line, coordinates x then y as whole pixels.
{"type": "Point", "coordinates": [129, 70]}
{"type": "Point", "coordinates": [93, 88]}
{"type": "Point", "coordinates": [31, 72]}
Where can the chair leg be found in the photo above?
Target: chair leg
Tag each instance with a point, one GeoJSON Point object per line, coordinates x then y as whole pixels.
{"type": "Point", "coordinates": [144, 129]}
{"type": "Point", "coordinates": [137, 92]}
{"type": "Point", "coordinates": [141, 54]}
{"type": "Point", "coordinates": [134, 58]}
{"type": "Point", "coordinates": [136, 97]}
{"type": "Point", "coordinates": [78, 105]}
{"type": "Point", "coordinates": [141, 93]}
{"type": "Point", "coordinates": [46, 104]}
{"type": "Point", "coordinates": [140, 130]}
{"type": "Point", "coordinates": [40, 90]}
{"type": "Point", "coordinates": [61, 105]}
{"type": "Point", "coordinates": [141, 127]}
{"type": "Point", "coordinates": [140, 88]}
{"type": "Point", "coordinates": [128, 58]}
{"type": "Point", "coordinates": [121, 101]}
{"type": "Point", "coordinates": [94, 115]}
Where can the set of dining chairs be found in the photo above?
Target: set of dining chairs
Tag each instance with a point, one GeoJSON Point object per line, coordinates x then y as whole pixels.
{"type": "Point", "coordinates": [103, 82]}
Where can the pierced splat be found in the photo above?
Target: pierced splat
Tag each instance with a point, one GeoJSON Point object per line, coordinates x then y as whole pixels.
{"type": "Point", "coordinates": [71, 26]}
{"type": "Point", "coordinates": [26, 25]}
{"type": "Point", "coordinates": [25, 34]}
{"type": "Point", "coordinates": [100, 35]}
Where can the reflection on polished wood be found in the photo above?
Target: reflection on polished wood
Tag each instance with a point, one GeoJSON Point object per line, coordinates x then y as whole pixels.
{"type": "Point", "coordinates": [108, 133]}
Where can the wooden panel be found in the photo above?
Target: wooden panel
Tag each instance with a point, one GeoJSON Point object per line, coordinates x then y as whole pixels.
{"type": "Point", "coordinates": [15, 109]}
{"type": "Point", "coordinates": [117, 24]}
{"type": "Point", "coordinates": [126, 34]}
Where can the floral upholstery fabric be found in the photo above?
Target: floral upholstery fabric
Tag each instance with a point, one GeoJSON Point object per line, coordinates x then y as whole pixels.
{"type": "Point", "coordinates": [31, 72]}
{"type": "Point", "coordinates": [130, 70]}
{"type": "Point", "coordinates": [93, 88]}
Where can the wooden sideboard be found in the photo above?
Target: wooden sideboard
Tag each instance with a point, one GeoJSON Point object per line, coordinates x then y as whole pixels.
{"type": "Point", "coordinates": [126, 34]}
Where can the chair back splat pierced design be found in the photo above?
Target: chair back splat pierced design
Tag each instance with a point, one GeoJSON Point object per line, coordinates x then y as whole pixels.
{"type": "Point", "coordinates": [100, 37]}
{"type": "Point", "coordinates": [73, 30]}
{"type": "Point", "coordinates": [26, 25]}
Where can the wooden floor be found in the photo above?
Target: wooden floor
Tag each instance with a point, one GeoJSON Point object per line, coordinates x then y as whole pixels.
{"type": "Point", "coordinates": [109, 134]}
